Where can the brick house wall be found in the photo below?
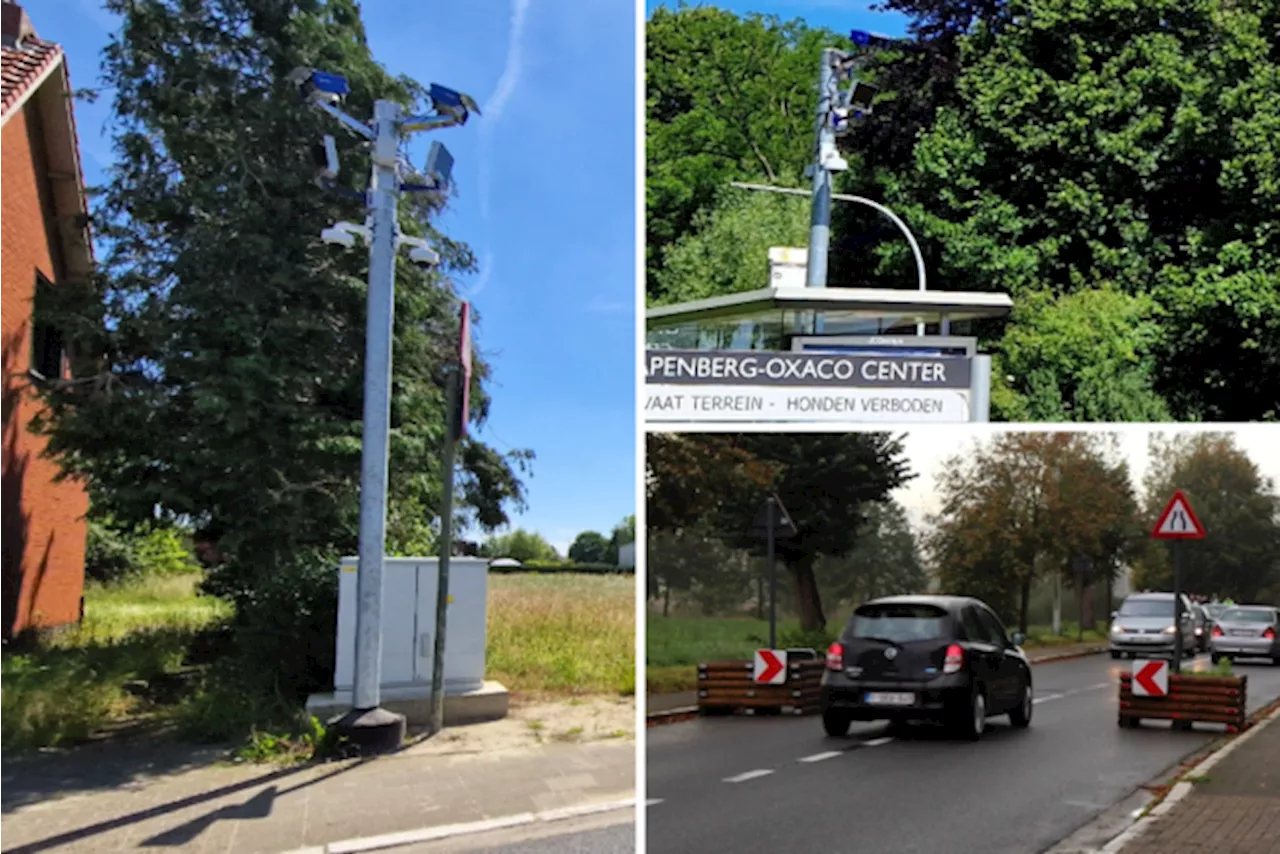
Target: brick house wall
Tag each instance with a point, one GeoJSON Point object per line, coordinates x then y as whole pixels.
{"type": "Point", "coordinates": [43, 535]}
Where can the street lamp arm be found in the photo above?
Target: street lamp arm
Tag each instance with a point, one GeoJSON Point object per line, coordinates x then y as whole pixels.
{"type": "Point", "coordinates": [897, 220]}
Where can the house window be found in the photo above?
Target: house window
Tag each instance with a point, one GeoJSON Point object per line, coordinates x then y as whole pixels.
{"type": "Point", "coordinates": [47, 352]}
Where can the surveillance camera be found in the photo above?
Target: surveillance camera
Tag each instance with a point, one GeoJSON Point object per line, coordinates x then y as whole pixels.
{"type": "Point", "coordinates": [338, 236]}
{"type": "Point", "coordinates": [424, 256]}
{"type": "Point", "coordinates": [319, 87]}
{"type": "Point", "coordinates": [451, 103]}
{"type": "Point", "coordinates": [861, 96]}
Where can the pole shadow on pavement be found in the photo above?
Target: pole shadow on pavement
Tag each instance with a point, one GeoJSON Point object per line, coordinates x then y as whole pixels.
{"type": "Point", "coordinates": [252, 808]}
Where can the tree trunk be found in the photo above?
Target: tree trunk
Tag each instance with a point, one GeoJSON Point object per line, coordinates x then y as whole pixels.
{"type": "Point", "coordinates": [666, 599]}
{"type": "Point", "coordinates": [1088, 612]}
{"type": "Point", "coordinates": [808, 598]}
{"type": "Point", "coordinates": [1024, 603]}
{"type": "Point", "coordinates": [759, 597]}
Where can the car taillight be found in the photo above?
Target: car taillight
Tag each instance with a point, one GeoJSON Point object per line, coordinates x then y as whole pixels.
{"type": "Point", "coordinates": [1217, 631]}
{"type": "Point", "coordinates": [1269, 634]}
{"type": "Point", "coordinates": [835, 657]}
{"type": "Point", "coordinates": [954, 660]}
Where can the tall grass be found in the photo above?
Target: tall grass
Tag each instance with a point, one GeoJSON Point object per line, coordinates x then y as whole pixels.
{"type": "Point", "coordinates": [562, 634]}
{"type": "Point", "coordinates": [102, 672]}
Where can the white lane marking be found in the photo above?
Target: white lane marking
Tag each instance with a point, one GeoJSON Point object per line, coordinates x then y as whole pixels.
{"type": "Point", "coordinates": [876, 742]}
{"type": "Point", "coordinates": [1071, 693]}
{"type": "Point", "coordinates": [749, 775]}
{"type": "Point", "coordinates": [653, 802]}
{"type": "Point", "coordinates": [818, 757]}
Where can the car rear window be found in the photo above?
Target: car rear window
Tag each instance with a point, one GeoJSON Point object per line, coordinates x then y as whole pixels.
{"type": "Point", "coordinates": [1147, 608]}
{"type": "Point", "coordinates": [898, 622]}
{"type": "Point", "coordinates": [1247, 615]}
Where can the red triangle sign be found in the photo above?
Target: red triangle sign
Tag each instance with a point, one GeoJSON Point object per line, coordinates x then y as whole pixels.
{"type": "Point", "coordinates": [1178, 521]}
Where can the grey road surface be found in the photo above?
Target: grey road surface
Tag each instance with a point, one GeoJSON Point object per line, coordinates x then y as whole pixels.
{"type": "Point", "coordinates": [756, 785]}
{"type": "Point", "coordinates": [605, 833]}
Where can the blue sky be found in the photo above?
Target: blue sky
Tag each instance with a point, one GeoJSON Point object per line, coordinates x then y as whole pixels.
{"type": "Point", "coordinates": [546, 199]}
{"type": "Point", "coordinates": [838, 15]}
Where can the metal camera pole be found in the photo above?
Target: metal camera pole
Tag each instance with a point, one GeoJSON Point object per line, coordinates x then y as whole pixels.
{"type": "Point", "coordinates": [369, 727]}
{"type": "Point", "coordinates": [820, 209]}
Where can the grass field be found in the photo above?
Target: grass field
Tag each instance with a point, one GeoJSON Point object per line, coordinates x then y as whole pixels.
{"type": "Point", "coordinates": [79, 683]}
{"type": "Point", "coordinates": [675, 645]}
{"type": "Point", "coordinates": [549, 635]}
{"type": "Point", "coordinates": [562, 634]}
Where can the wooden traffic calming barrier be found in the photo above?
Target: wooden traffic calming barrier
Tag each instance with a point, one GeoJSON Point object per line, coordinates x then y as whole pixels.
{"type": "Point", "coordinates": [1189, 700]}
{"type": "Point", "coordinates": [725, 687]}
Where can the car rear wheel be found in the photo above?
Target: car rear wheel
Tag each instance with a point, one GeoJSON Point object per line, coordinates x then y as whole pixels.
{"type": "Point", "coordinates": [1215, 658]}
{"type": "Point", "coordinates": [971, 722]}
{"type": "Point", "coordinates": [1021, 716]}
{"type": "Point", "coordinates": [1115, 655]}
{"type": "Point", "coordinates": [836, 723]}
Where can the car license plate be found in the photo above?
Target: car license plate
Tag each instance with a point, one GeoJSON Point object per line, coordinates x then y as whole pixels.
{"type": "Point", "coordinates": [890, 698]}
{"type": "Point", "coordinates": [1240, 633]}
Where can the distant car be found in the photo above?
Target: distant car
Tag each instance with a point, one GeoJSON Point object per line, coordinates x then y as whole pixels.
{"type": "Point", "coordinates": [1200, 626]}
{"type": "Point", "coordinates": [938, 659]}
{"type": "Point", "coordinates": [1144, 626]}
{"type": "Point", "coordinates": [1246, 631]}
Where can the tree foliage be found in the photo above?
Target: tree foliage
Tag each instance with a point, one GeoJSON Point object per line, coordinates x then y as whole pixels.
{"type": "Point", "coordinates": [825, 481]}
{"type": "Point", "coordinates": [519, 545]}
{"type": "Point", "coordinates": [727, 99]}
{"type": "Point", "coordinates": [1023, 505]}
{"type": "Point", "coordinates": [589, 547]}
{"type": "Point", "coordinates": [1240, 557]}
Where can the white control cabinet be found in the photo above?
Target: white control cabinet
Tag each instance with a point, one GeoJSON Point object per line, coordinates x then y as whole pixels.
{"type": "Point", "coordinates": [409, 623]}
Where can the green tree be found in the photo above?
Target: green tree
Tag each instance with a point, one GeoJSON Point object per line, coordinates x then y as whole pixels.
{"type": "Point", "coordinates": [218, 355]}
{"type": "Point", "coordinates": [589, 547]}
{"type": "Point", "coordinates": [727, 250]}
{"type": "Point", "coordinates": [727, 98]}
{"type": "Point", "coordinates": [519, 545]}
{"type": "Point", "coordinates": [885, 560]}
{"type": "Point", "coordinates": [823, 480]}
{"type": "Point", "coordinates": [1128, 146]}
{"type": "Point", "coordinates": [1240, 556]}
{"type": "Point", "coordinates": [1021, 507]}
{"type": "Point", "coordinates": [624, 532]}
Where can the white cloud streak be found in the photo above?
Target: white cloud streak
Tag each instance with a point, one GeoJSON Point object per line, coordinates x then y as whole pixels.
{"type": "Point", "coordinates": [497, 102]}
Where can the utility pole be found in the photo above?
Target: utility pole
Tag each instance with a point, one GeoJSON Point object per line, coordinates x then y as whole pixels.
{"type": "Point", "coordinates": [826, 160]}
{"type": "Point", "coordinates": [367, 726]}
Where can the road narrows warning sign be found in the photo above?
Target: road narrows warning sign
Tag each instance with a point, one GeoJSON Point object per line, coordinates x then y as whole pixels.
{"type": "Point", "coordinates": [769, 667]}
{"type": "Point", "coordinates": [1178, 521]}
{"type": "Point", "coordinates": [1150, 678]}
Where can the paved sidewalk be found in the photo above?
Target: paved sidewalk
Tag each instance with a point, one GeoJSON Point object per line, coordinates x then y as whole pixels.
{"type": "Point", "coordinates": [1235, 810]}
{"type": "Point", "coordinates": [177, 801]}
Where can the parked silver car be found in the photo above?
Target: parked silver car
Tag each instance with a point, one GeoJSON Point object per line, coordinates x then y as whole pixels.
{"type": "Point", "coordinates": [1144, 626]}
{"type": "Point", "coordinates": [1246, 631]}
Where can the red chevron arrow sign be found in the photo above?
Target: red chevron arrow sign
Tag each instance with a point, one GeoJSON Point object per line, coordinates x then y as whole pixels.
{"type": "Point", "coordinates": [769, 667]}
{"type": "Point", "coordinates": [1150, 678]}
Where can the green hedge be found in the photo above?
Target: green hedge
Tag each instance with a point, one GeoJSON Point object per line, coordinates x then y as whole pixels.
{"type": "Point", "coordinates": [549, 567]}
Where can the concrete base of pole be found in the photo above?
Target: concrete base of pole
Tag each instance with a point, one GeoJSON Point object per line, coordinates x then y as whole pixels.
{"type": "Point", "coordinates": [372, 731]}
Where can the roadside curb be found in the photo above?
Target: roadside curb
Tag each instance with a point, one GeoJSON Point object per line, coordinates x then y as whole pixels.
{"type": "Point", "coordinates": [671, 716]}
{"type": "Point", "coordinates": [450, 831]}
{"type": "Point", "coordinates": [688, 713]}
{"type": "Point", "coordinates": [1267, 716]}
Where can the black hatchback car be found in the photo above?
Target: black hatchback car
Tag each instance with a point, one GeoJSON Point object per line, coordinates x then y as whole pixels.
{"type": "Point", "coordinates": [938, 659]}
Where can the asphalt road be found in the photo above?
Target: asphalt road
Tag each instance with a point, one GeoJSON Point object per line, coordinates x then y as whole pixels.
{"type": "Point", "coordinates": [606, 833]}
{"type": "Point", "coordinates": [749, 785]}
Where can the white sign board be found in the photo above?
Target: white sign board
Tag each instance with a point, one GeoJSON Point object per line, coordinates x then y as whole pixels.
{"type": "Point", "coordinates": [1150, 678]}
{"type": "Point", "coordinates": [743, 387]}
{"type": "Point", "coordinates": [769, 667]}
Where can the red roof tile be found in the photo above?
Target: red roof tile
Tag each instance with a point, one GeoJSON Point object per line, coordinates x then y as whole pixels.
{"type": "Point", "coordinates": [21, 67]}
